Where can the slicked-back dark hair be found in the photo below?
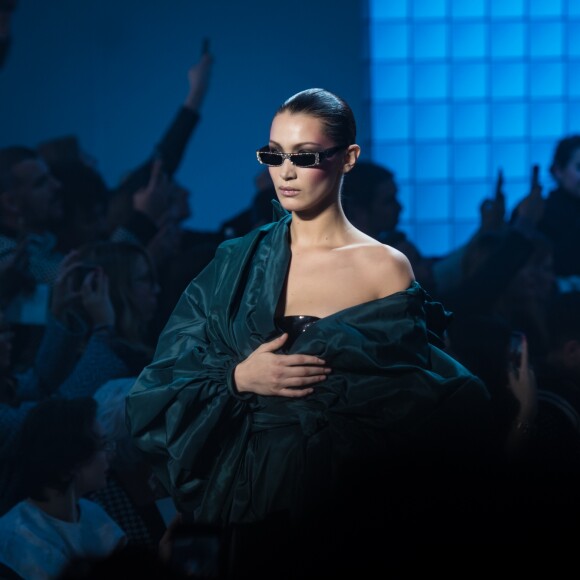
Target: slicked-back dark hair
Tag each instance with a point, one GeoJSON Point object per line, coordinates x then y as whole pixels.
{"type": "Point", "coordinates": [334, 113]}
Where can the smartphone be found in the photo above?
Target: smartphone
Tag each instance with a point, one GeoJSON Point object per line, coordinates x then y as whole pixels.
{"type": "Point", "coordinates": [516, 343]}
{"type": "Point", "coordinates": [205, 46]}
{"type": "Point", "coordinates": [199, 550]}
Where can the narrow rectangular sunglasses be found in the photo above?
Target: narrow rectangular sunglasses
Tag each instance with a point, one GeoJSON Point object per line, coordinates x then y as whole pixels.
{"type": "Point", "coordinates": [308, 159]}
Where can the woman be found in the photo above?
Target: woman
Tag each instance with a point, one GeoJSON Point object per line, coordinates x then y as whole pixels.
{"type": "Point", "coordinates": [241, 421]}
{"type": "Point", "coordinates": [133, 292]}
{"type": "Point", "coordinates": [62, 456]}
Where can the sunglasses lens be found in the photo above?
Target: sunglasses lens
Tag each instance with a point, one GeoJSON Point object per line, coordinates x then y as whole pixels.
{"type": "Point", "coordinates": [268, 158]}
{"type": "Point", "coordinates": [304, 160]}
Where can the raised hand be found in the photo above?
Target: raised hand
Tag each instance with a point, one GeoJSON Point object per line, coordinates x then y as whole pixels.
{"type": "Point", "coordinates": [154, 199]}
{"type": "Point", "coordinates": [492, 210]}
{"type": "Point", "coordinates": [531, 208]}
{"type": "Point", "coordinates": [198, 77]}
{"type": "Point", "coordinates": [64, 293]}
{"type": "Point", "coordinates": [265, 372]}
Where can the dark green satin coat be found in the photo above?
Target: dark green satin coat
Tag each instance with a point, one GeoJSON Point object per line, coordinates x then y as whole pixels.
{"type": "Point", "coordinates": [237, 458]}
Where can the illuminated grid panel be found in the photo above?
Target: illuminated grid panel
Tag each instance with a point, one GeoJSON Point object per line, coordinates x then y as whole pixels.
{"type": "Point", "coordinates": [459, 89]}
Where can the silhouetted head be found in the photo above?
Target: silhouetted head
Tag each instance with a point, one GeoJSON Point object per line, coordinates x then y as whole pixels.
{"type": "Point", "coordinates": [565, 168]}
{"type": "Point", "coordinates": [58, 438]}
{"type": "Point", "coordinates": [29, 193]}
{"type": "Point", "coordinates": [369, 194]}
{"type": "Point", "coordinates": [85, 199]}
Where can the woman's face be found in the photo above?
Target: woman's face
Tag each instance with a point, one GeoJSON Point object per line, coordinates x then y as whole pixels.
{"type": "Point", "coordinates": [569, 177]}
{"type": "Point", "coordinates": [304, 189]}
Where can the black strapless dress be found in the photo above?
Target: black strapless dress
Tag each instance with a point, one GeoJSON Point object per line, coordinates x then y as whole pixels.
{"type": "Point", "coordinates": [294, 326]}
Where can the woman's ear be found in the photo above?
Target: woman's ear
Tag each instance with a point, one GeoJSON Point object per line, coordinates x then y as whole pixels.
{"type": "Point", "coordinates": [350, 157]}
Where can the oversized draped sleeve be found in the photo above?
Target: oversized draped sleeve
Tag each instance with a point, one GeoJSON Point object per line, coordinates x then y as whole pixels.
{"type": "Point", "coordinates": [183, 411]}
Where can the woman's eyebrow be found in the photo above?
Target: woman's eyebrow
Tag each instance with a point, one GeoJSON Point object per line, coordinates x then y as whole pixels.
{"type": "Point", "coordinates": [296, 145]}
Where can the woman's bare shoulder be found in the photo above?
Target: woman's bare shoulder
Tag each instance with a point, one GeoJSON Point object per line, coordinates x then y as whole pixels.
{"type": "Point", "coordinates": [383, 267]}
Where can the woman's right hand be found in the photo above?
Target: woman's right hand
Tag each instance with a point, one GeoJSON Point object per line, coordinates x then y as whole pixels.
{"type": "Point", "coordinates": [265, 372]}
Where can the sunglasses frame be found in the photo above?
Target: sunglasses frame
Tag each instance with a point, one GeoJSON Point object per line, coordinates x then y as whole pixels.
{"type": "Point", "coordinates": [319, 156]}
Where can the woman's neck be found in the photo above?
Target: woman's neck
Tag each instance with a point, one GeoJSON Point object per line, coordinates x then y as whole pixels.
{"type": "Point", "coordinates": [327, 228]}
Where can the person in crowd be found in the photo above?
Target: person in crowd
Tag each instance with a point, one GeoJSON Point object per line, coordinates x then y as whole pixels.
{"type": "Point", "coordinates": [85, 197]}
{"type": "Point", "coordinates": [30, 207]}
{"type": "Point", "coordinates": [133, 496]}
{"type": "Point", "coordinates": [300, 361]}
{"type": "Point", "coordinates": [72, 360]}
{"type": "Point", "coordinates": [557, 436]}
{"type": "Point", "coordinates": [140, 220]}
{"type": "Point", "coordinates": [370, 200]}
{"type": "Point", "coordinates": [62, 455]}
{"type": "Point", "coordinates": [371, 205]}
{"type": "Point", "coordinates": [133, 290]}
{"type": "Point", "coordinates": [560, 221]}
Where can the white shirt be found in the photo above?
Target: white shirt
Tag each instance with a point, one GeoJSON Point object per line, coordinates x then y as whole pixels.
{"type": "Point", "coordinates": [38, 546]}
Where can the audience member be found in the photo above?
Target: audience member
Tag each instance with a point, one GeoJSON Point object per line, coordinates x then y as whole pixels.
{"type": "Point", "coordinates": [259, 212]}
{"type": "Point", "coordinates": [170, 150]}
{"type": "Point", "coordinates": [561, 217]}
{"type": "Point", "coordinates": [62, 454]}
{"type": "Point", "coordinates": [29, 209]}
{"type": "Point", "coordinates": [371, 204]}
{"type": "Point", "coordinates": [61, 367]}
{"type": "Point", "coordinates": [133, 288]}
{"type": "Point", "coordinates": [557, 436]}
{"type": "Point", "coordinates": [85, 198]}
{"type": "Point", "coordinates": [132, 492]}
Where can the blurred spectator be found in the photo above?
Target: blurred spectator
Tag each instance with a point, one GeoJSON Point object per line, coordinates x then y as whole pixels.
{"type": "Point", "coordinates": [259, 212]}
{"type": "Point", "coordinates": [369, 194]}
{"type": "Point", "coordinates": [122, 213]}
{"type": "Point", "coordinates": [72, 360]}
{"type": "Point", "coordinates": [132, 492]}
{"type": "Point", "coordinates": [30, 208]}
{"type": "Point", "coordinates": [557, 441]}
{"type": "Point", "coordinates": [62, 454]}
{"type": "Point", "coordinates": [561, 218]}
{"type": "Point", "coordinates": [133, 288]}
{"type": "Point", "coordinates": [85, 198]}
